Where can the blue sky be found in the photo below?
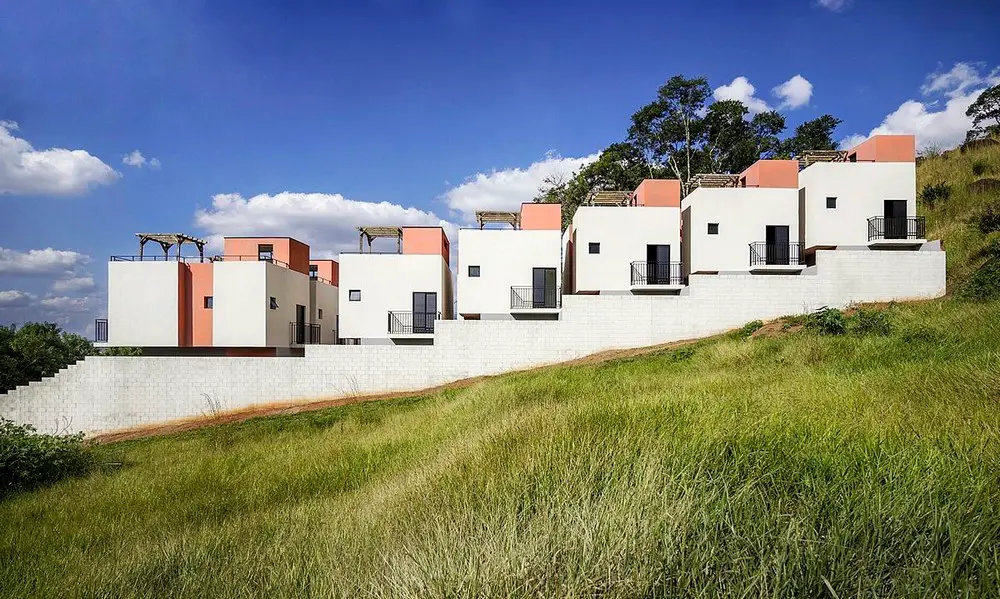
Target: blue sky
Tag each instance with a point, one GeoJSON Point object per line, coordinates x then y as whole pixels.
{"type": "Point", "coordinates": [334, 114]}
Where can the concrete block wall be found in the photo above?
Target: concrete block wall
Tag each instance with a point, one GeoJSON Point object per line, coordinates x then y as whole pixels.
{"type": "Point", "coordinates": [111, 393]}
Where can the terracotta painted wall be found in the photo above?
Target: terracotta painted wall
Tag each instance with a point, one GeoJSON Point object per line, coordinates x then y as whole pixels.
{"type": "Point", "coordinates": [290, 251]}
{"type": "Point", "coordinates": [546, 217]}
{"type": "Point", "coordinates": [426, 240]}
{"type": "Point", "coordinates": [886, 148]}
{"type": "Point", "coordinates": [781, 174]}
{"type": "Point", "coordinates": [202, 285]}
{"type": "Point", "coordinates": [327, 269]}
{"type": "Point", "coordinates": [659, 192]}
{"type": "Point", "coordinates": [183, 305]}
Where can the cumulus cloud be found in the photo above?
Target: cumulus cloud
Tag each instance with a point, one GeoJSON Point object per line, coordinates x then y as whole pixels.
{"type": "Point", "coordinates": [741, 89]}
{"type": "Point", "coordinates": [834, 5]}
{"type": "Point", "coordinates": [794, 93]}
{"type": "Point", "coordinates": [137, 160]}
{"type": "Point", "coordinates": [56, 171]}
{"type": "Point", "coordinates": [508, 188]}
{"type": "Point", "coordinates": [73, 284]}
{"type": "Point", "coordinates": [14, 298]}
{"type": "Point", "coordinates": [63, 304]}
{"type": "Point", "coordinates": [39, 262]}
{"type": "Point", "coordinates": [327, 222]}
{"type": "Point", "coordinates": [938, 120]}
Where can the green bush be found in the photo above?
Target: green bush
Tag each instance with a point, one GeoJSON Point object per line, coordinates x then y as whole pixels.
{"type": "Point", "coordinates": [122, 351]}
{"type": "Point", "coordinates": [29, 459]}
{"type": "Point", "coordinates": [988, 221]}
{"type": "Point", "coordinates": [827, 321]}
{"type": "Point", "coordinates": [36, 350]}
{"type": "Point", "coordinates": [935, 192]}
{"type": "Point", "coordinates": [980, 167]}
{"type": "Point", "coordinates": [747, 330]}
{"type": "Point", "coordinates": [871, 322]}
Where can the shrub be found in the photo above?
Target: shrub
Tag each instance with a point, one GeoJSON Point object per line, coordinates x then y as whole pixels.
{"type": "Point", "coordinates": [827, 321]}
{"type": "Point", "coordinates": [980, 167]}
{"type": "Point", "coordinates": [682, 354]}
{"type": "Point", "coordinates": [935, 192]}
{"type": "Point", "coordinates": [988, 220]}
{"type": "Point", "coordinates": [871, 322]}
{"type": "Point", "coordinates": [921, 334]}
{"type": "Point", "coordinates": [748, 330]}
{"type": "Point", "coordinates": [122, 351]}
{"type": "Point", "coordinates": [29, 459]}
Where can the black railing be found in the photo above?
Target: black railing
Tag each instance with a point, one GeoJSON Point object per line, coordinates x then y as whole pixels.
{"type": "Point", "coordinates": [101, 330]}
{"type": "Point", "coordinates": [897, 227]}
{"type": "Point", "coordinates": [408, 323]}
{"type": "Point", "coordinates": [247, 258]}
{"type": "Point", "coordinates": [315, 277]}
{"type": "Point", "coordinates": [525, 298]}
{"type": "Point", "coordinates": [155, 258]}
{"type": "Point", "coordinates": [304, 334]}
{"type": "Point", "coordinates": [776, 254]}
{"type": "Point", "coordinates": [657, 273]}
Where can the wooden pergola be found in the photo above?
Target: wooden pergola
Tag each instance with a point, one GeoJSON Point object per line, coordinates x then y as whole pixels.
{"type": "Point", "coordinates": [813, 156]}
{"type": "Point", "coordinates": [610, 198]}
{"type": "Point", "coordinates": [168, 240]}
{"type": "Point", "coordinates": [713, 180]}
{"type": "Point", "coordinates": [372, 233]}
{"type": "Point", "coordinates": [485, 217]}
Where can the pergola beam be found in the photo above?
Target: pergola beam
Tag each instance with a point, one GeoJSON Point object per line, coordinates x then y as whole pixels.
{"type": "Point", "coordinates": [168, 240]}
{"type": "Point", "coordinates": [372, 233]}
{"type": "Point", "coordinates": [484, 217]}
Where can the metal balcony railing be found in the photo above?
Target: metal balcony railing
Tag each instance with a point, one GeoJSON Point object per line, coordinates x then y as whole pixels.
{"type": "Point", "coordinates": [304, 334]}
{"type": "Point", "coordinates": [657, 273]}
{"type": "Point", "coordinates": [533, 298]}
{"type": "Point", "coordinates": [100, 330]}
{"type": "Point", "coordinates": [155, 258]}
{"type": "Point", "coordinates": [772, 254]}
{"type": "Point", "coordinates": [408, 323]}
{"type": "Point", "coordinates": [897, 227]}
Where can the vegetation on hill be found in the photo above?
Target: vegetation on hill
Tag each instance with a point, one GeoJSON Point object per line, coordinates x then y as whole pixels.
{"type": "Point", "coordinates": [798, 459]}
{"type": "Point", "coordinates": [36, 350]}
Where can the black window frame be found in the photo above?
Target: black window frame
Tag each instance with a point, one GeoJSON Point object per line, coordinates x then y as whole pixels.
{"type": "Point", "coordinates": [351, 297]}
{"type": "Point", "coordinates": [713, 228]}
{"type": "Point", "coordinates": [313, 271]}
{"type": "Point", "coordinates": [265, 252]}
{"type": "Point", "coordinates": [273, 303]}
{"type": "Point", "coordinates": [209, 302]}
{"type": "Point", "coordinates": [594, 247]}
{"type": "Point", "coordinates": [474, 274]}
{"type": "Point", "coordinates": [831, 205]}
{"type": "Point", "coordinates": [319, 314]}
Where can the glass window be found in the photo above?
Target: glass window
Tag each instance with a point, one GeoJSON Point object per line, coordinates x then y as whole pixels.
{"type": "Point", "coordinates": [594, 248]}
{"type": "Point", "coordinates": [274, 303]}
{"type": "Point", "coordinates": [831, 203]}
{"type": "Point", "coordinates": [321, 314]}
{"type": "Point", "coordinates": [473, 271]}
{"type": "Point", "coordinates": [354, 295]}
{"type": "Point", "coordinates": [265, 252]}
{"type": "Point", "coordinates": [713, 228]}
{"type": "Point", "coordinates": [208, 302]}
{"type": "Point", "coordinates": [313, 271]}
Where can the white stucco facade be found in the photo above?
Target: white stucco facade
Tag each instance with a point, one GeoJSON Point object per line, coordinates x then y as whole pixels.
{"type": "Point", "coordinates": [386, 282]}
{"type": "Point", "coordinates": [623, 233]}
{"type": "Point", "coordinates": [242, 315]}
{"type": "Point", "coordinates": [324, 298]}
{"type": "Point", "coordinates": [505, 258]}
{"type": "Point", "coordinates": [860, 190]}
{"type": "Point", "coordinates": [291, 289]}
{"type": "Point", "coordinates": [143, 303]}
{"type": "Point", "coordinates": [742, 216]}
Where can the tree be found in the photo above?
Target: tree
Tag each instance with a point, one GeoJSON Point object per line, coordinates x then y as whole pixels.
{"type": "Point", "coordinates": [37, 350]}
{"type": "Point", "coordinates": [985, 113]}
{"type": "Point", "coordinates": [816, 134]}
{"type": "Point", "coordinates": [733, 143]}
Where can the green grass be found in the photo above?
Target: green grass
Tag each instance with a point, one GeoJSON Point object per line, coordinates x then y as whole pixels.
{"type": "Point", "coordinates": [798, 466]}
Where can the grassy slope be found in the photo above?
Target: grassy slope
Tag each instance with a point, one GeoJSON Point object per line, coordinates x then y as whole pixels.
{"type": "Point", "coordinates": [788, 467]}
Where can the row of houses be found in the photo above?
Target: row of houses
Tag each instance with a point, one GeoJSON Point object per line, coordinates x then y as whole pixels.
{"type": "Point", "coordinates": [268, 296]}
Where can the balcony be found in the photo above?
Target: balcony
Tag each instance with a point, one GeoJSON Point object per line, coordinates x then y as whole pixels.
{"type": "Point", "coordinates": [657, 275]}
{"type": "Point", "coordinates": [899, 231]}
{"type": "Point", "coordinates": [304, 334]}
{"type": "Point", "coordinates": [776, 257]}
{"type": "Point", "coordinates": [404, 323]}
{"type": "Point", "coordinates": [535, 299]}
{"type": "Point", "coordinates": [101, 330]}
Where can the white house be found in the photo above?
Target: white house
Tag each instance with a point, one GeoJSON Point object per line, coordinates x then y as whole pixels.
{"type": "Point", "coordinates": [395, 297]}
{"type": "Point", "coordinates": [749, 225]}
{"type": "Point", "coordinates": [628, 242]}
{"type": "Point", "coordinates": [867, 197]}
{"type": "Point", "coordinates": [513, 272]}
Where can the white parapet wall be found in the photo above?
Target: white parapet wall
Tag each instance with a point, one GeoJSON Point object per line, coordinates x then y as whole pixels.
{"type": "Point", "coordinates": [112, 393]}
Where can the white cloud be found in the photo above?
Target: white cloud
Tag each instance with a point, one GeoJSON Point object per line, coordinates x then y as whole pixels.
{"type": "Point", "coordinates": [62, 304]}
{"type": "Point", "coordinates": [794, 93]}
{"type": "Point", "coordinates": [507, 189]}
{"type": "Point", "coordinates": [39, 262]}
{"type": "Point", "coordinates": [136, 159]}
{"type": "Point", "coordinates": [834, 5]}
{"type": "Point", "coordinates": [741, 89]}
{"type": "Point", "coordinates": [852, 140]}
{"type": "Point", "coordinates": [73, 284]}
{"type": "Point", "coordinates": [933, 123]}
{"type": "Point", "coordinates": [15, 299]}
{"type": "Point", "coordinates": [327, 222]}
{"type": "Point", "coordinates": [56, 171]}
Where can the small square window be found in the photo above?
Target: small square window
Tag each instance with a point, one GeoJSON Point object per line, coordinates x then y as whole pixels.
{"type": "Point", "coordinates": [265, 252]}
{"type": "Point", "coordinates": [354, 295]}
{"type": "Point", "coordinates": [313, 272]}
{"type": "Point", "coordinates": [320, 314]}
{"type": "Point", "coordinates": [831, 203]}
{"type": "Point", "coordinates": [274, 303]}
{"type": "Point", "coordinates": [208, 302]}
{"type": "Point", "coordinates": [473, 271]}
{"type": "Point", "coordinates": [713, 228]}
{"type": "Point", "coordinates": [594, 248]}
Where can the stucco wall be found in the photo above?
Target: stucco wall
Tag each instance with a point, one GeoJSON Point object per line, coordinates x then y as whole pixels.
{"type": "Point", "coordinates": [290, 288]}
{"type": "Point", "coordinates": [143, 303]}
{"type": "Point", "coordinates": [324, 297]}
{"type": "Point", "coordinates": [238, 318]}
{"type": "Point", "coordinates": [505, 258]}
{"type": "Point", "coordinates": [108, 393]}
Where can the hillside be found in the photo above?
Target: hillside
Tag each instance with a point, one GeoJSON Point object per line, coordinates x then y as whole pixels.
{"type": "Point", "coordinates": [783, 463]}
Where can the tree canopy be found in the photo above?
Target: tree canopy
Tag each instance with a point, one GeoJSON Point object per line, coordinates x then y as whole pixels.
{"type": "Point", "coordinates": [36, 350]}
{"type": "Point", "coordinates": [985, 113]}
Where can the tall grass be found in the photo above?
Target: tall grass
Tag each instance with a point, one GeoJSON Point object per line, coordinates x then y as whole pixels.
{"type": "Point", "coordinates": [807, 465]}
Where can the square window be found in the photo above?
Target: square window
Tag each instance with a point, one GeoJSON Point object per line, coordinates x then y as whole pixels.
{"type": "Point", "coordinates": [354, 295]}
{"type": "Point", "coordinates": [473, 271]}
{"type": "Point", "coordinates": [208, 302]}
{"type": "Point", "coordinates": [594, 248]}
{"type": "Point", "coordinates": [320, 314]}
{"type": "Point", "coordinates": [265, 252]}
{"type": "Point", "coordinates": [313, 272]}
{"type": "Point", "coordinates": [274, 303]}
{"type": "Point", "coordinates": [831, 203]}
{"type": "Point", "coordinates": [713, 228]}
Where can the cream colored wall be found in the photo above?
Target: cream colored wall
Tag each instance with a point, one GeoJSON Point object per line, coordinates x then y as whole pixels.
{"type": "Point", "coordinates": [143, 304]}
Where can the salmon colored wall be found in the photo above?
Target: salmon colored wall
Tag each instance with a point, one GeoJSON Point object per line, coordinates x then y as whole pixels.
{"type": "Point", "coordinates": [547, 217]}
{"type": "Point", "coordinates": [327, 269]}
{"type": "Point", "coordinates": [886, 148]}
{"type": "Point", "coordinates": [290, 251]}
{"type": "Point", "coordinates": [772, 174]}
{"type": "Point", "coordinates": [426, 240]}
{"type": "Point", "coordinates": [202, 285]}
{"type": "Point", "coordinates": [659, 192]}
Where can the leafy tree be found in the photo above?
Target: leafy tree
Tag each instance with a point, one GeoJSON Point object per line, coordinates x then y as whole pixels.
{"type": "Point", "coordinates": [816, 134]}
{"type": "Point", "coordinates": [985, 113]}
{"type": "Point", "coordinates": [733, 143]}
{"type": "Point", "coordinates": [36, 350]}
